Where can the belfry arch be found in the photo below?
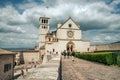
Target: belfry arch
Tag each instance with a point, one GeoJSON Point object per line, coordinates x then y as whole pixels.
{"type": "Point", "coordinates": [70, 46]}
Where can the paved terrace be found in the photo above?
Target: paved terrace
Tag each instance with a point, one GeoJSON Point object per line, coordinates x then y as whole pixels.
{"type": "Point", "coordinates": [49, 70]}
{"type": "Point", "coordinates": [77, 70]}
{"type": "Point", "coordinates": [86, 70]}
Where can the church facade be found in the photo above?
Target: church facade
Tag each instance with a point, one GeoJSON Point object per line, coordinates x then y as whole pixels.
{"type": "Point", "coordinates": [67, 36]}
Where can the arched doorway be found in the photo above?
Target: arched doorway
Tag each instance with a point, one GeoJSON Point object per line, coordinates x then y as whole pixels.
{"type": "Point", "coordinates": [70, 46]}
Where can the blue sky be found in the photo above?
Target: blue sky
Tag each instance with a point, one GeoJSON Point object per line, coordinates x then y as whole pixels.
{"type": "Point", "coordinates": [19, 20]}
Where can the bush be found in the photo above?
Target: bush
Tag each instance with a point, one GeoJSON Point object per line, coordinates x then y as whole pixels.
{"type": "Point", "coordinates": [114, 55]}
{"type": "Point", "coordinates": [118, 60]}
{"type": "Point", "coordinates": [108, 58]}
{"type": "Point", "coordinates": [101, 58]}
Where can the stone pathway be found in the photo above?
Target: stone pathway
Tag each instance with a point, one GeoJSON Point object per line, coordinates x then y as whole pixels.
{"type": "Point", "coordinates": [85, 70]}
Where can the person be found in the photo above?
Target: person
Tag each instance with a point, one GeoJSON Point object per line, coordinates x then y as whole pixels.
{"type": "Point", "coordinates": [57, 53]}
{"type": "Point", "coordinates": [22, 72]}
{"type": "Point", "coordinates": [35, 64]}
{"type": "Point", "coordinates": [73, 55]}
{"type": "Point", "coordinates": [50, 52]}
{"type": "Point", "coordinates": [26, 68]}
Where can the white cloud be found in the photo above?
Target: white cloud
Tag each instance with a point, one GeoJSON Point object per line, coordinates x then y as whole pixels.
{"type": "Point", "coordinates": [91, 15]}
{"type": "Point", "coordinates": [15, 29]}
{"type": "Point", "coordinates": [10, 15]}
{"type": "Point", "coordinates": [108, 38]}
{"type": "Point", "coordinates": [20, 29]}
{"type": "Point", "coordinates": [28, 5]}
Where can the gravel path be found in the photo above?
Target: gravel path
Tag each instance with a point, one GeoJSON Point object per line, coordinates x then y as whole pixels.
{"type": "Point", "coordinates": [86, 70]}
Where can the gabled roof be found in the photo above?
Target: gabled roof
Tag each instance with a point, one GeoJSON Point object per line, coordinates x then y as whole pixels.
{"type": "Point", "coordinates": [67, 20]}
{"type": "Point", "coordinates": [2, 51]}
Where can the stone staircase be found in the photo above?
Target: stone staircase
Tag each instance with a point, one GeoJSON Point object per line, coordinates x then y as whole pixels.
{"type": "Point", "coordinates": [48, 70]}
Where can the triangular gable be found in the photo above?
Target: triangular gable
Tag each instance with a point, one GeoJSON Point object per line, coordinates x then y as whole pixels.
{"type": "Point", "coordinates": [69, 21]}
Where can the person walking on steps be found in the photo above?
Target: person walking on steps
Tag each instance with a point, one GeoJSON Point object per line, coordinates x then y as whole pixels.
{"type": "Point", "coordinates": [73, 55]}
{"type": "Point", "coordinates": [22, 73]}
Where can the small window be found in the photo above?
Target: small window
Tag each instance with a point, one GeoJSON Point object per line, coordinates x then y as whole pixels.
{"type": "Point", "coordinates": [7, 67]}
{"type": "Point", "coordinates": [42, 21]}
{"type": "Point", "coordinates": [70, 25]}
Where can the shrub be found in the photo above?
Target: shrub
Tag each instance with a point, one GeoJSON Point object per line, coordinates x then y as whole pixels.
{"type": "Point", "coordinates": [114, 55]}
{"type": "Point", "coordinates": [118, 60]}
{"type": "Point", "coordinates": [101, 58]}
{"type": "Point", "coordinates": [109, 59]}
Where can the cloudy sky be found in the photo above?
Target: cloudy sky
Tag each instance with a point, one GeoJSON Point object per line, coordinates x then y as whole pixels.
{"type": "Point", "coordinates": [19, 20]}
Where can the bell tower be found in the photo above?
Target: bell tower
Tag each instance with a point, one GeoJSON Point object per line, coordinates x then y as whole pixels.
{"type": "Point", "coordinates": [43, 30]}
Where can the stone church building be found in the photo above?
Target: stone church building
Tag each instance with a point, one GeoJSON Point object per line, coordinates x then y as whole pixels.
{"type": "Point", "coordinates": [67, 36]}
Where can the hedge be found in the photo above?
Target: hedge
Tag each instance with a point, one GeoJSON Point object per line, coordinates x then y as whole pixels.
{"type": "Point", "coordinates": [110, 58]}
{"type": "Point", "coordinates": [118, 60]}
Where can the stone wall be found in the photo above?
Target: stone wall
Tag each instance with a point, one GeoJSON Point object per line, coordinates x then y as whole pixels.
{"type": "Point", "coordinates": [27, 56]}
{"type": "Point", "coordinates": [30, 56]}
{"type": "Point", "coordinates": [6, 59]}
{"type": "Point", "coordinates": [102, 47]}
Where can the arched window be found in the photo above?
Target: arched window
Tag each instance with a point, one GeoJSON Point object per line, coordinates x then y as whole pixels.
{"type": "Point", "coordinates": [44, 21]}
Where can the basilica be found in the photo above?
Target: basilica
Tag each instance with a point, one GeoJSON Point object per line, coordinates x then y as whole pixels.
{"type": "Point", "coordinates": [67, 36]}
